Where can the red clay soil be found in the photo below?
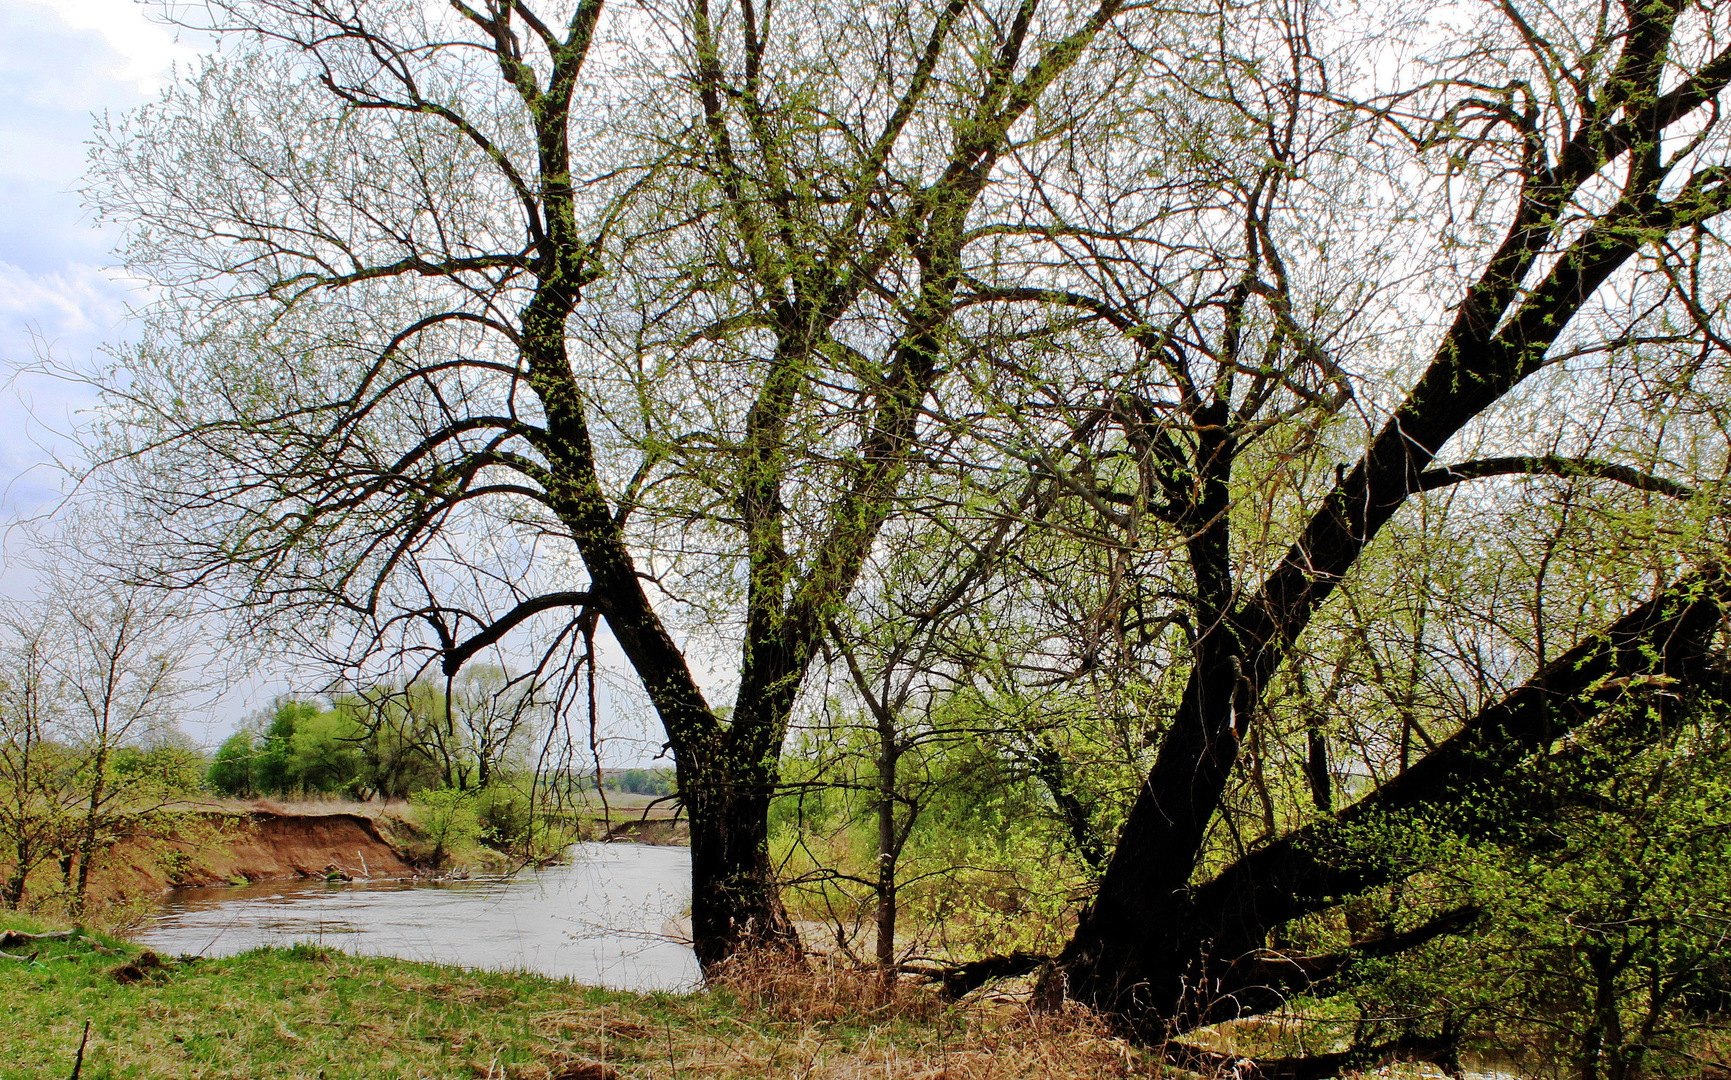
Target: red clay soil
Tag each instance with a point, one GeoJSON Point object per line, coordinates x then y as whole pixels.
{"type": "Point", "coordinates": [220, 848]}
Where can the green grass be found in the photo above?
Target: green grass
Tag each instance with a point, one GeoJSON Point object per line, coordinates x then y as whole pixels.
{"type": "Point", "coordinates": [297, 1012]}
{"type": "Point", "coordinates": [309, 1012]}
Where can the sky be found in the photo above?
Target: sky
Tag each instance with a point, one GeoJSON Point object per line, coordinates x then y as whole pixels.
{"type": "Point", "coordinates": [62, 63]}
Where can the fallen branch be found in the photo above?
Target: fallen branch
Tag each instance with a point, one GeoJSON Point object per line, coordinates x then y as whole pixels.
{"type": "Point", "coordinates": [1436, 1050]}
{"type": "Point", "coordinates": [958, 980]}
{"type": "Point", "coordinates": [13, 938]}
{"type": "Point", "coordinates": [15, 956]}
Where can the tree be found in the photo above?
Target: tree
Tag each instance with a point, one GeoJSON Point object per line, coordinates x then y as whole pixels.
{"type": "Point", "coordinates": [118, 658]}
{"type": "Point", "coordinates": [276, 765]}
{"type": "Point", "coordinates": [416, 358]}
{"type": "Point", "coordinates": [88, 744]}
{"type": "Point", "coordinates": [391, 733]}
{"type": "Point", "coordinates": [1594, 167]}
{"type": "Point", "coordinates": [389, 355]}
{"type": "Point", "coordinates": [483, 716]}
{"type": "Point", "coordinates": [37, 799]}
{"type": "Point", "coordinates": [231, 769]}
{"type": "Point", "coordinates": [944, 737]}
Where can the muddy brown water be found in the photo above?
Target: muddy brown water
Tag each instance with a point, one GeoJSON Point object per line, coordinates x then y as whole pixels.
{"type": "Point", "coordinates": [608, 916]}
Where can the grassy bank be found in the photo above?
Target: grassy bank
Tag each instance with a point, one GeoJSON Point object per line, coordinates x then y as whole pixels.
{"type": "Point", "coordinates": [309, 1012]}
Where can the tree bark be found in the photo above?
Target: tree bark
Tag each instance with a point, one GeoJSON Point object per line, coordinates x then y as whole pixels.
{"type": "Point", "coordinates": [12, 891]}
{"type": "Point", "coordinates": [736, 908]}
{"type": "Point", "coordinates": [889, 757]}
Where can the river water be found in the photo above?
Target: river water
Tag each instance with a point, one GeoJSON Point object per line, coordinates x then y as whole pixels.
{"type": "Point", "coordinates": [603, 918]}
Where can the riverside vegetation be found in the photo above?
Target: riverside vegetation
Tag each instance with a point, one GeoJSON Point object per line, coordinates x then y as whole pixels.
{"type": "Point", "coordinates": [1218, 511]}
{"type": "Point", "coordinates": [1585, 902]}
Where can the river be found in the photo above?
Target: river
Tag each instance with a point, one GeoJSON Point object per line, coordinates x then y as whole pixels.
{"type": "Point", "coordinates": [602, 918]}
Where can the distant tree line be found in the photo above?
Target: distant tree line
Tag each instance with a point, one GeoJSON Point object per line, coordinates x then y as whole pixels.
{"type": "Point", "coordinates": [641, 781]}
{"type": "Point", "coordinates": [388, 742]}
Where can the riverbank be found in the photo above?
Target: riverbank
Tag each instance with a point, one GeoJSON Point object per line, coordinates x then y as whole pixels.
{"type": "Point", "coordinates": [231, 846]}
{"type": "Point", "coordinates": [308, 1012]}
{"type": "Point", "coordinates": [234, 842]}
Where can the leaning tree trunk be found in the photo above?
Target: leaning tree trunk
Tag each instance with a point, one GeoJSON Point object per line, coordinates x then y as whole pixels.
{"type": "Point", "coordinates": [1161, 956]}
{"type": "Point", "coordinates": [1130, 953]}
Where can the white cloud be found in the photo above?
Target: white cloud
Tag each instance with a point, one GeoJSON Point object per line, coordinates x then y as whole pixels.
{"type": "Point", "coordinates": [76, 305]}
{"type": "Point", "coordinates": [60, 61]}
{"type": "Point", "coordinates": [69, 313]}
{"type": "Point", "coordinates": [147, 49]}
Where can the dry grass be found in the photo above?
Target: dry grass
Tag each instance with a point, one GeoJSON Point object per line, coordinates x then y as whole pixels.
{"type": "Point", "coordinates": [829, 1021]}
{"type": "Point", "coordinates": [309, 806]}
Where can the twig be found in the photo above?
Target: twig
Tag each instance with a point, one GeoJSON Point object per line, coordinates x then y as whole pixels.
{"type": "Point", "coordinates": [78, 1062]}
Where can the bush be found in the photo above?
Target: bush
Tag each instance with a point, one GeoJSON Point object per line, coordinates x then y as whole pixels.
{"type": "Point", "coordinates": [510, 823]}
{"type": "Point", "coordinates": [506, 816]}
{"type": "Point", "coordinates": [448, 823]}
{"type": "Point", "coordinates": [1603, 884]}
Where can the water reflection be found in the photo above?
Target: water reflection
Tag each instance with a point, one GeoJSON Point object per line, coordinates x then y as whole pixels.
{"type": "Point", "coordinates": [603, 919]}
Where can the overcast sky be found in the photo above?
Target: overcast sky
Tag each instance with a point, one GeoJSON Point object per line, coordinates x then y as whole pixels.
{"type": "Point", "coordinates": [61, 63]}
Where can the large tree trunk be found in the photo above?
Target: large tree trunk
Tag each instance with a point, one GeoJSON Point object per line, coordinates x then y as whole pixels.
{"type": "Point", "coordinates": [1162, 956]}
{"type": "Point", "coordinates": [736, 908]}
{"type": "Point", "coordinates": [1111, 962]}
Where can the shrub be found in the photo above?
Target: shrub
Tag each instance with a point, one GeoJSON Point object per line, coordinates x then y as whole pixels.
{"type": "Point", "coordinates": [447, 821]}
